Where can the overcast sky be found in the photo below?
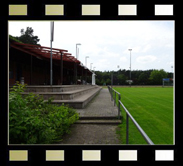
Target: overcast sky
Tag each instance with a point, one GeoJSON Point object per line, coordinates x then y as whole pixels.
{"type": "Point", "coordinates": [107, 42]}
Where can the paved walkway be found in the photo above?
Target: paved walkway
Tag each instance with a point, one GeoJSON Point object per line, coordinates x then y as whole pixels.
{"type": "Point", "coordinates": [100, 106]}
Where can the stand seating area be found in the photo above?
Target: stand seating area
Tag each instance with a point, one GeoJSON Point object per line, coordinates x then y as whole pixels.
{"type": "Point", "coordinates": [76, 96]}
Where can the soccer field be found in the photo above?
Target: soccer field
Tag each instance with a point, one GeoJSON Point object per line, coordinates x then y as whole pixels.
{"type": "Point", "coordinates": [152, 108]}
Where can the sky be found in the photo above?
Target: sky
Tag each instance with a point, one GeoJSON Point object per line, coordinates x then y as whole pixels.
{"type": "Point", "coordinates": [107, 42]}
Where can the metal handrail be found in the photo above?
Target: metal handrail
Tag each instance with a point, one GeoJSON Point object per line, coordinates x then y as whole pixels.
{"type": "Point", "coordinates": [142, 132]}
{"type": "Point", "coordinates": [119, 98]}
{"type": "Point", "coordinates": [148, 140]}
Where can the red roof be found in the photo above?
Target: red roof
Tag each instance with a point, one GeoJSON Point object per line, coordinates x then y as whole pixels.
{"type": "Point", "coordinates": [44, 52]}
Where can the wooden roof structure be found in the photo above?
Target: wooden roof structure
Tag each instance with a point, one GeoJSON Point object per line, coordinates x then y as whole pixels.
{"type": "Point", "coordinates": [42, 52]}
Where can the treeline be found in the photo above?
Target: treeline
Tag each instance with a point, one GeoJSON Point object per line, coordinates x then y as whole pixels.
{"type": "Point", "coordinates": [26, 37]}
{"type": "Point", "coordinates": [139, 77]}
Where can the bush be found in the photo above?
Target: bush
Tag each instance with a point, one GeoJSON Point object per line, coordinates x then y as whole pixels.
{"type": "Point", "coordinates": [34, 121]}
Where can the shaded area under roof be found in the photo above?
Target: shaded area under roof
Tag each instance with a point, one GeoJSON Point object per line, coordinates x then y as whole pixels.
{"type": "Point", "coordinates": [43, 52]}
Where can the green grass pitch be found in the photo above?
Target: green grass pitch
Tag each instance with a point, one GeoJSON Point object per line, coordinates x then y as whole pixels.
{"type": "Point", "coordinates": [152, 108]}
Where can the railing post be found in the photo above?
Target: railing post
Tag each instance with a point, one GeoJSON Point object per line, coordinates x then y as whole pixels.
{"type": "Point", "coordinates": [128, 115]}
{"type": "Point", "coordinates": [111, 94]}
{"type": "Point", "coordinates": [115, 98]}
{"type": "Point", "coordinates": [127, 127]}
{"type": "Point", "coordinates": [119, 99]}
{"type": "Point", "coordinates": [110, 91]}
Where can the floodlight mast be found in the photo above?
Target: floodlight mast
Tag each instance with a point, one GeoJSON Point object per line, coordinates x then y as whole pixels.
{"type": "Point", "coordinates": [86, 60]}
{"type": "Point", "coordinates": [130, 62]}
{"type": "Point", "coordinates": [77, 58]}
{"type": "Point", "coordinates": [130, 65]}
{"type": "Point", "coordinates": [51, 40]}
{"type": "Point", "coordinates": [86, 69]}
{"type": "Point", "coordinates": [77, 44]}
{"type": "Point", "coordinates": [172, 71]}
{"type": "Point", "coordinates": [91, 66]}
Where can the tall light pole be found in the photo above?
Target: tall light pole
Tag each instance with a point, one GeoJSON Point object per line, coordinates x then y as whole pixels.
{"type": "Point", "coordinates": [77, 44]}
{"type": "Point", "coordinates": [86, 69]}
{"type": "Point", "coordinates": [91, 66]}
{"type": "Point", "coordinates": [76, 58]}
{"type": "Point", "coordinates": [51, 40]}
{"type": "Point", "coordinates": [118, 74]}
{"type": "Point", "coordinates": [86, 60]}
{"type": "Point", "coordinates": [130, 62]}
{"type": "Point", "coordinates": [111, 79]}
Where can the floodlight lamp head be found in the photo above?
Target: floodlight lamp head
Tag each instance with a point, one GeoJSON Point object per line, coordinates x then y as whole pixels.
{"type": "Point", "coordinates": [78, 44]}
{"type": "Point", "coordinates": [130, 49]}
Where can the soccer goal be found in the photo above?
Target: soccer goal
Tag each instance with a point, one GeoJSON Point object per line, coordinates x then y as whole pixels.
{"type": "Point", "coordinates": [167, 82]}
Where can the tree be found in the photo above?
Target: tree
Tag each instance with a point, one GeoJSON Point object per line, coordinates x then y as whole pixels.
{"type": "Point", "coordinates": [156, 76]}
{"type": "Point", "coordinates": [108, 81]}
{"type": "Point", "coordinates": [28, 37]}
{"type": "Point", "coordinates": [139, 77]}
{"type": "Point", "coordinates": [143, 78]}
{"type": "Point", "coordinates": [121, 79]}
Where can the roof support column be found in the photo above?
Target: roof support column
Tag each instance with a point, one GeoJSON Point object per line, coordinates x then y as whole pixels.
{"type": "Point", "coordinates": [76, 74]}
{"type": "Point", "coordinates": [86, 77]}
{"type": "Point", "coordinates": [31, 72]}
{"type": "Point", "coordinates": [82, 76]}
{"type": "Point", "coordinates": [61, 68]}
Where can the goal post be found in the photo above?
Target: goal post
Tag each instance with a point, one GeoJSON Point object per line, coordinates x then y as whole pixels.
{"type": "Point", "coordinates": [167, 82]}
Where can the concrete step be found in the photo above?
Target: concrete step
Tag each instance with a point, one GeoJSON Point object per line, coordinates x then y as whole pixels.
{"type": "Point", "coordinates": [54, 88]}
{"type": "Point", "coordinates": [69, 95]}
{"type": "Point", "coordinates": [97, 121]}
{"type": "Point", "coordinates": [81, 101]}
{"type": "Point", "coordinates": [100, 118]}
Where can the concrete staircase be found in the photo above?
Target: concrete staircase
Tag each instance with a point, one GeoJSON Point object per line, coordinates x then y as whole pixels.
{"type": "Point", "coordinates": [110, 120]}
{"type": "Point", "coordinates": [76, 96]}
{"type": "Point", "coordinates": [100, 111]}
{"type": "Point", "coordinates": [96, 120]}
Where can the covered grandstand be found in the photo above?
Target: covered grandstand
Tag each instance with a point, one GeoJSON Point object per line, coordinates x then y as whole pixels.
{"type": "Point", "coordinates": [32, 64]}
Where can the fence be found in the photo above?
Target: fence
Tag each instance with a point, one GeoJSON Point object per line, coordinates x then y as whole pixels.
{"type": "Point", "coordinates": [119, 98]}
{"type": "Point", "coordinates": [142, 132]}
